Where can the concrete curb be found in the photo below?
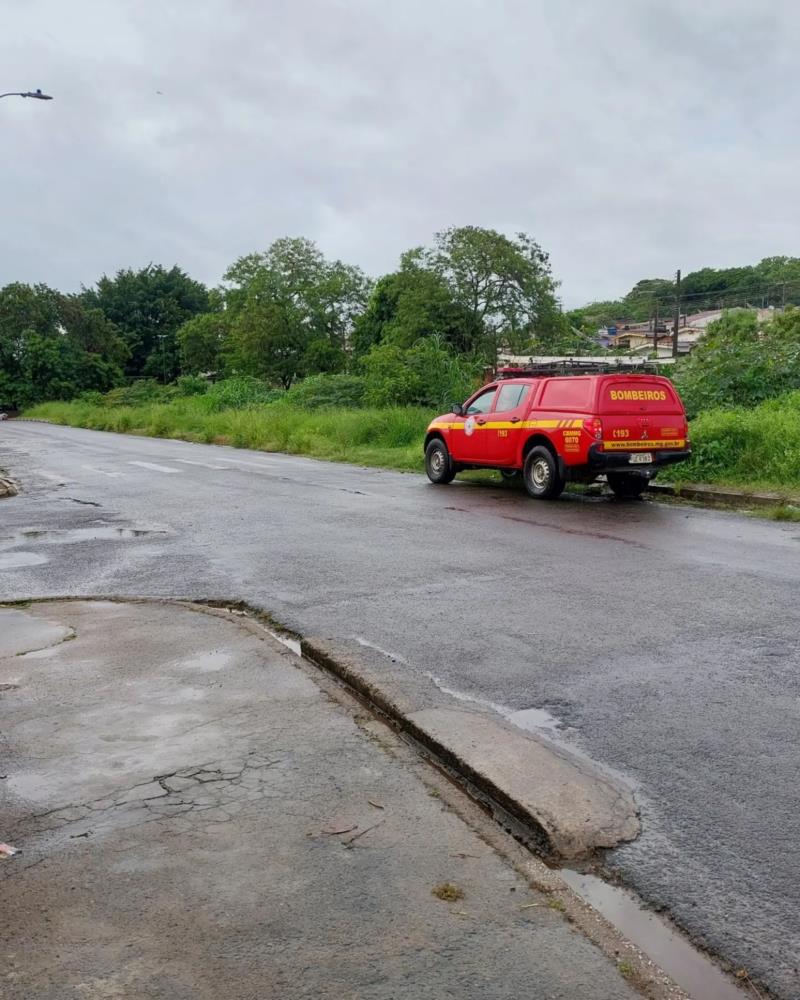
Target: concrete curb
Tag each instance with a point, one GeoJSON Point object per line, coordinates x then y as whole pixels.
{"type": "Point", "coordinates": [572, 807]}
{"type": "Point", "coordinates": [722, 495]}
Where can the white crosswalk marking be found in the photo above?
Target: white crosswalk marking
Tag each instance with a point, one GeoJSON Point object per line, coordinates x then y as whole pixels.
{"type": "Point", "coordinates": [203, 465]}
{"type": "Point", "coordinates": [154, 467]}
{"type": "Point", "coordinates": [103, 472]}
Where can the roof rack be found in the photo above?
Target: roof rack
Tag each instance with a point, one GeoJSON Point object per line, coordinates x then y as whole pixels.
{"type": "Point", "coordinates": [578, 366]}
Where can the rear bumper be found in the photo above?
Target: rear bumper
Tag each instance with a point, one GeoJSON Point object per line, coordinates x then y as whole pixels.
{"type": "Point", "coordinates": [617, 461]}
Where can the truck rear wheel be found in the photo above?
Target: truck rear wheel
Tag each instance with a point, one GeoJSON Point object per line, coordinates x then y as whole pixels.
{"type": "Point", "coordinates": [627, 485]}
{"type": "Point", "coordinates": [438, 463]}
{"type": "Point", "coordinates": [540, 474]}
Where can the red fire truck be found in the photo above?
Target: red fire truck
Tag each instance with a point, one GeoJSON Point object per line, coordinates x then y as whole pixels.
{"type": "Point", "coordinates": [560, 422]}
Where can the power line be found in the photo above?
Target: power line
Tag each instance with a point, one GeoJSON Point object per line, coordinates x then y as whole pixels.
{"type": "Point", "coordinates": [721, 292]}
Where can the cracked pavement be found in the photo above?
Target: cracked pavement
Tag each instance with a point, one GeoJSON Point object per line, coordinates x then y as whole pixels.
{"type": "Point", "coordinates": [198, 816]}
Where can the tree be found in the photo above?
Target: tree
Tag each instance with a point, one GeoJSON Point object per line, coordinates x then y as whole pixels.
{"type": "Point", "coordinates": [147, 305]}
{"type": "Point", "coordinates": [504, 285]}
{"type": "Point", "coordinates": [292, 311]}
{"type": "Point", "coordinates": [201, 341]}
{"type": "Point", "coordinates": [412, 303]}
{"type": "Point", "coordinates": [268, 340]}
{"type": "Point", "coordinates": [52, 348]}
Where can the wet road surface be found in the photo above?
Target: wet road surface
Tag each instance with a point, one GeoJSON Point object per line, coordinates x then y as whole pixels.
{"type": "Point", "coordinates": [661, 640]}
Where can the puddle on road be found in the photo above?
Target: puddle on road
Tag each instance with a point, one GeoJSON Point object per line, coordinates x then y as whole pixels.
{"type": "Point", "coordinates": [22, 632]}
{"type": "Point", "coordinates": [57, 536]}
{"type": "Point", "coordinates": [10, 559]}
{"type": "Point", "coordinates": [206, 663]}
{"type": "Point", "coordinates": [689, 968]}
{"type": "Point", "coordinates": [15, 560]}
{"type": "Point", "coordinates": [533, 720]}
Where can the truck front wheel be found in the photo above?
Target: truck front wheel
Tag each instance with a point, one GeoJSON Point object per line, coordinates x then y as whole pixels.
{"type": "Point", "coordinates": [438, 463]}
{"type": "Point", "coordinates": [540, 474]}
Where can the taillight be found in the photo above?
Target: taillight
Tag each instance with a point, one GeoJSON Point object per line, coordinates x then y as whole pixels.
{"type": "Point", "coordinates": [594, 427]}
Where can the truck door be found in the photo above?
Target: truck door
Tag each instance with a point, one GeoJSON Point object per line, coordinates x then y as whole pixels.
{"type": "Point", "coordinates": [468, 441]}
{"type": "Point", "coordinates": [505, 423]}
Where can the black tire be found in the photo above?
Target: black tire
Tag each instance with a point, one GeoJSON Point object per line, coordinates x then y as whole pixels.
{"type": "Point", "coordinates": [510, 475]}
{"type": "Point", "coordinates": [438, 463]}
{"type": "Point", "coordinates": [540, 474]}
{"type": "Point", "coordinates": [627, 485]}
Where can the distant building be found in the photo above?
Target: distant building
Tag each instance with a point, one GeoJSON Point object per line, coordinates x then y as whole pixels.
{"type": "Point", "coordinates": [642, 339]}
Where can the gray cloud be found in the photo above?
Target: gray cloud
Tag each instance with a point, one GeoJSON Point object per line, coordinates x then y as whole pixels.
{"type": "Point", "coordinates": [629, 138]}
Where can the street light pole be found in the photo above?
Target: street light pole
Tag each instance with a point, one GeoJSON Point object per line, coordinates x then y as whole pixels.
{"type": "Point", "coordinates": [36, 94]}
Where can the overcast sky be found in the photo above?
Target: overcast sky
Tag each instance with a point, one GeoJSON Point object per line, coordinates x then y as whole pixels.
{"type": "Point", "coordinates": [629, 137]}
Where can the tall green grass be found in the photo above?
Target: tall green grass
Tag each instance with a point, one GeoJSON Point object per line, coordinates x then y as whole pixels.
{"type": "Point", "coordinates": [754, 447]}
{"type": "Point", "coordinates": [389, 438]}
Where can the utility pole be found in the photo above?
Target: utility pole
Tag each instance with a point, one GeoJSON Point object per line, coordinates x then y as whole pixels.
{"type": "Point", "coordinates": [162, 337]}
{"type": "Point", "coordinates": [655, 332]}
{"type": "Point", "coordinates": [677, 314]}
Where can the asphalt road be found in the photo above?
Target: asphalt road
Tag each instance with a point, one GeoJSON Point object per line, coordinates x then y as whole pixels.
{"type": "Point", "coordinates": [663, 640]}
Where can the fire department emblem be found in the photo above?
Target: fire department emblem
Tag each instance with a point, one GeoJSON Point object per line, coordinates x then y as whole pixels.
{"type": "Point", "coordinates": [469, 425]}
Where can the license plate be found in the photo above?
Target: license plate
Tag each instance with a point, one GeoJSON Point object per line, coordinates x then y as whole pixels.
{"type": "Point", "coordinates": [641, 458]}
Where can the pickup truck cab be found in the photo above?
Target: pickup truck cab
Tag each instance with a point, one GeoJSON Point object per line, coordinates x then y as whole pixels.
{"type": "Point", "coordinates": [556, 429]}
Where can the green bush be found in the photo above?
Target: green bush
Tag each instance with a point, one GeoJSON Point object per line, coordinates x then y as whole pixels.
{"type": "Point", "coordinates": [143, 390]}
{"type": "Point", "coordinates": [234, 393]}
{"type": "Point", "coordinates": [191, 385]}
{"type": "Point", "coordinates": [749, 447]}
{"type": "Point", "coordinates": [427, 374]}
{"type": "Point", "coordinates": [92, 397]}
{"type": "Point", "coordinates": [318, 391]}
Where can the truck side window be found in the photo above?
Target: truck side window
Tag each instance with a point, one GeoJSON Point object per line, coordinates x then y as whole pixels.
{"type": "Point", "coordinates": [510, 397]}
{"type": "Point", "coordinates": [482, 403]}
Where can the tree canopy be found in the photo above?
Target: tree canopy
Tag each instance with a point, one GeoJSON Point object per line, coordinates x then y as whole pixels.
{"type": "Point", "coordinates": [148, 307]}
{"type": "Point", "coordinates": [418, 334]}
{"type": "Point", "coordinates": [53, 347]}
{"type": "Point", "coordinates": [774, 281]}
{"type": "Point", "coordinates": [291, 311]}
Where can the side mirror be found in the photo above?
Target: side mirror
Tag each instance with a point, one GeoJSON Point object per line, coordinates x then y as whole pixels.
{"type": "Point", "coordinates": [458, 409]}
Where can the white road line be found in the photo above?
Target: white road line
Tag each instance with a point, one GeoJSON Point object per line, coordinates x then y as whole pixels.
{"type": "Point", "coordinates": [256, 465]}
{"type": "Point", "coordinates": [112, 475]}
{"type": "Point", "coordinates": [203, 465]}
{"type": "Point", "coordinates": [154, 467]}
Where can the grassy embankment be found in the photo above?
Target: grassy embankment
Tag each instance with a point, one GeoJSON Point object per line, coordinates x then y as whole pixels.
{"type": "Point", "coordinates": [752, 448]}
{"type": "Point", "coordinates": [386, 438]}
{"type": "Point", "coordinates": [755, 449]}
